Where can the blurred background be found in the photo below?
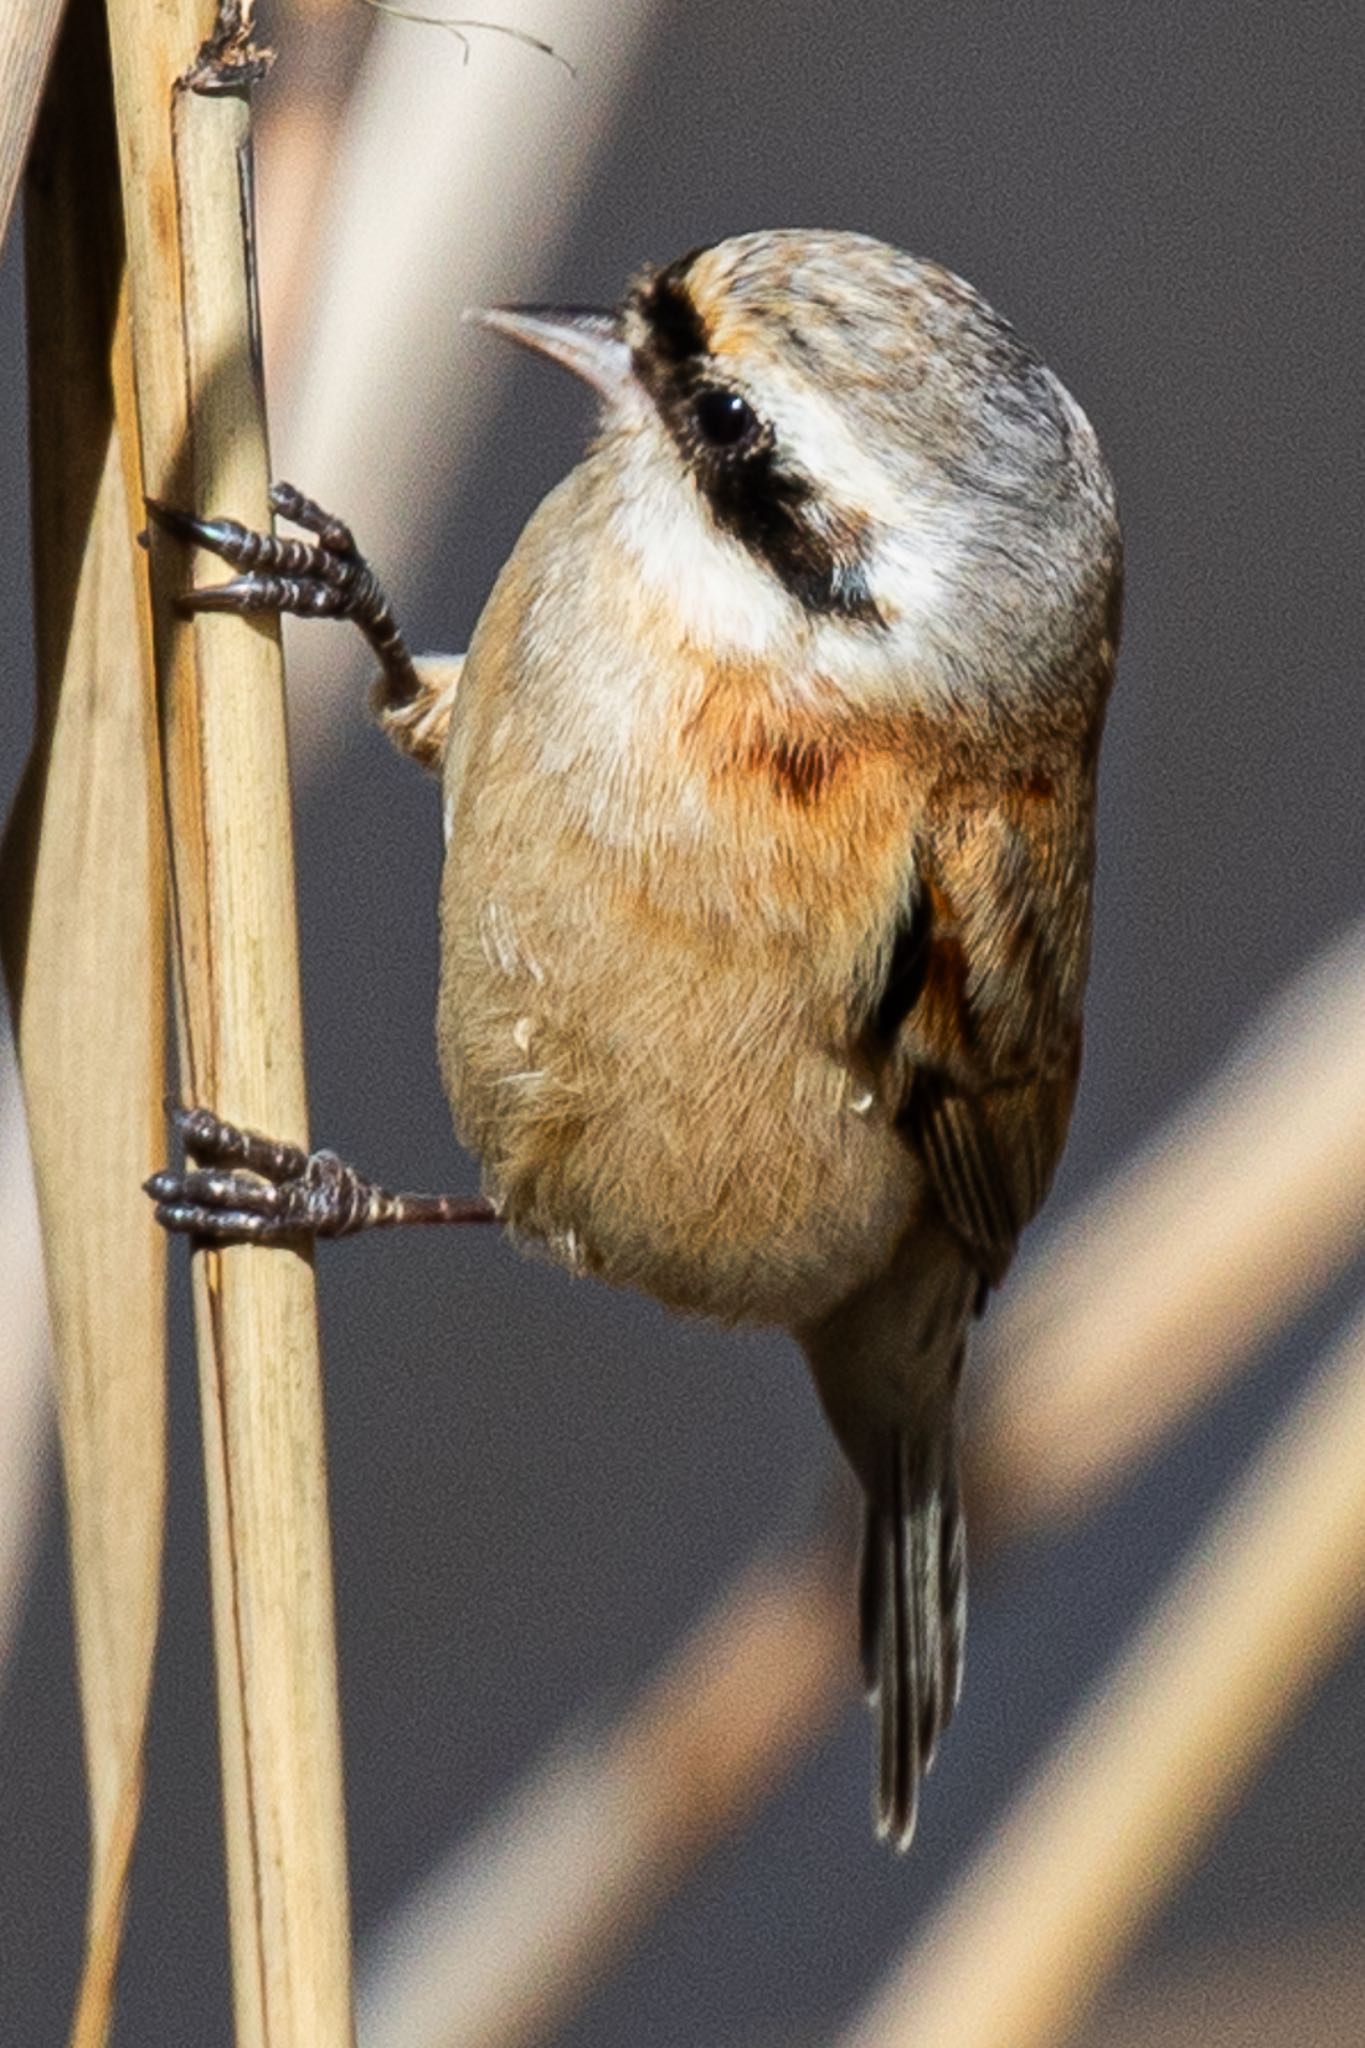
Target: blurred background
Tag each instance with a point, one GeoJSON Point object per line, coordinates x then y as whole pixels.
{"type": "Point", "coordinates": [538, 1486]}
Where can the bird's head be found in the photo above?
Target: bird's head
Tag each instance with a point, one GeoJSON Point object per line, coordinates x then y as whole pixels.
{"type": "Point", "coordinates": [820, 432]}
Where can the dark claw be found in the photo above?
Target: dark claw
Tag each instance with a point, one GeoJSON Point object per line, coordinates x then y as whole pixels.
{"type": "Point", "coordinates": [290, 503]}
{"type": "Point", "coordinates": [303, 596]}
{"type": "Point", "coordinates": [243, 594]}
{"type": "Point", "coordinates": [183, 525]}
{"type": "Point", "coordinates": [230, 1208]}
{"type": "Point", "coordinates": [325, 578]}
{"type": "Point", "coordinates": [233, 1207]}
{"type": "Point", "coordinates": [253, 1189]}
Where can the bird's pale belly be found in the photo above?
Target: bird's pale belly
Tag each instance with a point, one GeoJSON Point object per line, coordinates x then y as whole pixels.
{"type": "Point", "coordinates": [670, 1121]}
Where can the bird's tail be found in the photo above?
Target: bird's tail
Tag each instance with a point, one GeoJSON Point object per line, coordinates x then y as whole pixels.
{"type": "Point", "coordinates": [912, 1614]}
{"type": "Point", "coordinates": [887, 1365]}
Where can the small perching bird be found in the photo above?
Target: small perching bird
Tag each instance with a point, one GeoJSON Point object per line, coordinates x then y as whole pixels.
{"type": "Point", "coordinates": [769, 797]}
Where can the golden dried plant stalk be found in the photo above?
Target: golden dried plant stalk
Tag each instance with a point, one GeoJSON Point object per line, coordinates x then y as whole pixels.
{"type": "Point", "coordinates": [84, 946]}
{"type": "Point", "coordinates": [184, 157]}
{"type": "Point", "coordinates": [1265, 1990]}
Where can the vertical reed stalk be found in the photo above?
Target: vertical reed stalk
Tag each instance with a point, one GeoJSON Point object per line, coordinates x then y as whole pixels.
{"type": "Point", "coordinates": [185, 165]}
{"type": "Point", "coordinates": [84, 947]}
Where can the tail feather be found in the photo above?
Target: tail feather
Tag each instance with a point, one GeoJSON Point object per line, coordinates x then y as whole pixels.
{"type": "Point", "coordinates": [887, 1364]}
{"type": "Point", "coordinates": [913, 1613]}
{"type": "Point", "coordinates": [952, 1584]}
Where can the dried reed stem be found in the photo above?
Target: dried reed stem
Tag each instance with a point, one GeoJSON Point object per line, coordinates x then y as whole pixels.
{"type": "Point", "coordinates": [28, 36]}
{"type": "Point", "coordinates": [203, 442]}
{"type": "Point", "coordinates": [1090, 1852]}
{"type": "Point", "coordinates": [84, 945]}
{"type": "Point", "coordinates": [471, 209]}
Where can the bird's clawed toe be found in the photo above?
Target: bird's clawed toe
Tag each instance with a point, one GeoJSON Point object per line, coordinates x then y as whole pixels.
{"type": "Point", "coordinates": [246, 1188]}
{"type": "Point", "coordinates": [326, 577]}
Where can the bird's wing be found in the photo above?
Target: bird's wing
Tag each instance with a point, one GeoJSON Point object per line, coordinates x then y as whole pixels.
{"type": "Point", "coordinates": [980, 1012]}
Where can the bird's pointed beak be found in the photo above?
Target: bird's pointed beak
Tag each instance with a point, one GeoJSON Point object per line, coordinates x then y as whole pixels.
{"type": "Point", "coordinates": [586, 340]}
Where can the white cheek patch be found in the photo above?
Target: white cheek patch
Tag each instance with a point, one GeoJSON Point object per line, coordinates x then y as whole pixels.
{"type": "Point", "coordinates": [722, 599]}
{"type": "Point", "coordinates": [913, 550]}
{"type": "Point", "coordinates": [905, 662]}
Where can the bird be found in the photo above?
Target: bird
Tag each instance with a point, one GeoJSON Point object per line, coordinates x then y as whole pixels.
{"type": "Point", "coordinates": [769, 783]}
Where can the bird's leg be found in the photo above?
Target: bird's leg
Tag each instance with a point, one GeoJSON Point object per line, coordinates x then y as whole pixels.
{"type": "Point", "coordinates": [326, 577]}
{"type": "Point", "coordinates": [244, 1189]}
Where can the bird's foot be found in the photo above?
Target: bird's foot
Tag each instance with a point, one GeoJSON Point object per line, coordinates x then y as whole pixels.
{"type": "Point", "coordinates": [323, 578]}
{"type": "Point", "coordinates": [248, 1189]}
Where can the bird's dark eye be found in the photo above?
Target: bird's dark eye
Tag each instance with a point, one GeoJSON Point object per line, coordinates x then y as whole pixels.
{"type": "Point", "coordinates": [722, 417]}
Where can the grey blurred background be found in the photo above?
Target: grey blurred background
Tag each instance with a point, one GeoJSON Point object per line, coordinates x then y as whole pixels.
{"type": "Point", "coordinates": [537, 1484]}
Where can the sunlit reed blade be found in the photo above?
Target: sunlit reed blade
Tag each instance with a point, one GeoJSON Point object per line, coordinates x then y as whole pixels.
{"type": "Point", "coordinates": [1249, 1988]}
{"type": "Point", "coordinates": [83, 916]}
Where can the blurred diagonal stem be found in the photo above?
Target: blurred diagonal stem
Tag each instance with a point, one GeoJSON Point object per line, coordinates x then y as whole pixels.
{"type": "Point", "coordinates": [496, 1947]}
{"type": "Point", "coordinates": [1156, 1290]}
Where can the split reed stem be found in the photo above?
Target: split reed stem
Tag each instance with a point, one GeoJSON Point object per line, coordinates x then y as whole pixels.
{"type": "Point", "coordinates": [185, 160]}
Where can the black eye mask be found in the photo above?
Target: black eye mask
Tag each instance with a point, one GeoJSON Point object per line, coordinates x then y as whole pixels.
{"type": "Point", "coordinates": [816, 552]}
